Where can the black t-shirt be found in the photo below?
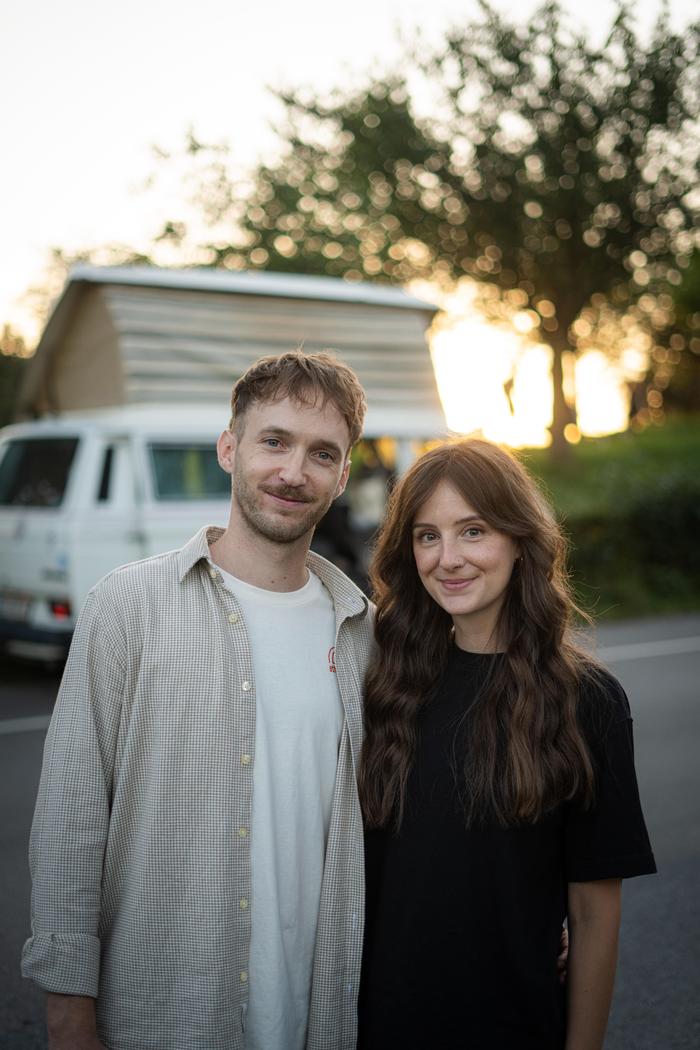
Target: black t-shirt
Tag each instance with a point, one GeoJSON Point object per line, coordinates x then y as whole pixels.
{"type": "Point", "coordinates": [463, 925]}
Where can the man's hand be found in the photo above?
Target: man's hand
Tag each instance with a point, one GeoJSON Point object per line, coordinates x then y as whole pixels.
{"type": "Point", "coordinates": [70, 1020]}
{"type": "Point", "coordinates": [563, 956]}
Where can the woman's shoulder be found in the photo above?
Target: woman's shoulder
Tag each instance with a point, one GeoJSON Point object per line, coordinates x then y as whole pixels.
{"type": "Point", "coordinates": [603, 702]}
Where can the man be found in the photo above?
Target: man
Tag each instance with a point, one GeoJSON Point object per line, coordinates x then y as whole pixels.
{"type": "Point", "coordinates": [196, 850]}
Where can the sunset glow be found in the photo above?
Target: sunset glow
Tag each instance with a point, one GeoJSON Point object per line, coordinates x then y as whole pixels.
{"type": "Point", "coordinates": [493, 382]}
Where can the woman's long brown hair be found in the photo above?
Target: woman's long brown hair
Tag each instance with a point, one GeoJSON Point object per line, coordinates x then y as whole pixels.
{"type": "Point", "coordinates": [527, 752]}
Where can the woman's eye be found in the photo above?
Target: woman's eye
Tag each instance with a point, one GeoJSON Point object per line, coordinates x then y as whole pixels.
{"type": "Point", "coordinates": [474, 531]}
{"type": "Point", "coordinates": [327, 457]}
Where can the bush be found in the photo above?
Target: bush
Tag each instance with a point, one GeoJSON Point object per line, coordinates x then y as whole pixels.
{"type": "Point", "coordinates": [630, 504]}
{"type": "Point", "coordinates": [642, 556]}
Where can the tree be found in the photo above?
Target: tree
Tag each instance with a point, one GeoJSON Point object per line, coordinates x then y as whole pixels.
{"type": "Point", "coordinates": [558, 172]}
{"type": "Point", "coordinates": [13, 362]}
{"type": "Point", "coordinates": [681, 376]}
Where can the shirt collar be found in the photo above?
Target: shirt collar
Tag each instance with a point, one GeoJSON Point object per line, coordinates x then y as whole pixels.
{"type": "Point", "coordinates": [196, 549]}
{"type": "Point", "coordinates": [346, 596]}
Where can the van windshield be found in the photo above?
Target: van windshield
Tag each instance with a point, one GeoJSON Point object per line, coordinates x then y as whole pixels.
{"type": "Point", "coordinates": [188, 472]}
{"type": "Point", "coordinates": [34, 471]}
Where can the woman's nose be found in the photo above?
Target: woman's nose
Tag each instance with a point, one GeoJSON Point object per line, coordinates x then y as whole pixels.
{"type": "Point", "coordinates": [451, 557]}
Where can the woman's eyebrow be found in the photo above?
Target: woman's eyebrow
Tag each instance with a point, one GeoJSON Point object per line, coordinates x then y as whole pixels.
{"type": "Point", "coordinates": [460, 521]}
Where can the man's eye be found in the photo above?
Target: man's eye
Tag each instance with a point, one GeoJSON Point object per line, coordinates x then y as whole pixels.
{"type": "Point", "coordinates": [327, 457]}
{"type": "Point", "coordinates": [272, 442]}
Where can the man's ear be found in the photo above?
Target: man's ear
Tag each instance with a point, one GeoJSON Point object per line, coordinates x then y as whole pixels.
{"type": "Point", "coordinates": [226, 450]}
{"type": "Point", "coordinates": [343, 480]}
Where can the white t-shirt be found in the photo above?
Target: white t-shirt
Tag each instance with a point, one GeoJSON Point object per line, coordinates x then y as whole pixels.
{"type": "Point", "coordinates": [299, 719]}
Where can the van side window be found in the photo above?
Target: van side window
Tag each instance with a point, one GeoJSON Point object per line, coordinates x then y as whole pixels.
{"type": "Point", "coordinates": [187, 472]}
{"type": "Point", "coordinates": [106, 475]}
{"type": "Point", "coordinates": [34, 471]}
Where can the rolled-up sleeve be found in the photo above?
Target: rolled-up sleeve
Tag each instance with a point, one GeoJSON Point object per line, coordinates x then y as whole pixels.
{"type": "Point", "coordinates": [71, 819]}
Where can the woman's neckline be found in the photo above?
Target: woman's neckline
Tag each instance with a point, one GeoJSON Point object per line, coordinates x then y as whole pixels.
{"type": "Point", "coordinates": [473, 653]}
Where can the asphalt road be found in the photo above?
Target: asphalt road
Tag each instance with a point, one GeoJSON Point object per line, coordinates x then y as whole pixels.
{"type": "Point", "coordinates": [657, 997]}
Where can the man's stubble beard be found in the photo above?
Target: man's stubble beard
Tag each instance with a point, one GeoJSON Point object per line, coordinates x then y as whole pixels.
{"type": "Point", "coordinates": [278, 531]}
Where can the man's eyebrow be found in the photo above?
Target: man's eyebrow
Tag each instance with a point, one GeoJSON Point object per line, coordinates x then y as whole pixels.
{"type": "Point", "coordinates": [276, 431]}
{"type": "Point", "coordinates": [282, 432]}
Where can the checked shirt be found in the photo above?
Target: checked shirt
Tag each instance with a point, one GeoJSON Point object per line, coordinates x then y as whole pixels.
{"type": "Point", "coordinates": [140, 848]}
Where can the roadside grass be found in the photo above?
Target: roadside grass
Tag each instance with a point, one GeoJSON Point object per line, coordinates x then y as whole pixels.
{"type": "Point", "coordinates": [630, 505]}
{"type": "Point", "coordinates": [607, 473]}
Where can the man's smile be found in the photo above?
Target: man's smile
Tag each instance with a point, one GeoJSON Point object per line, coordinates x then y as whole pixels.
{"type": "Point", "coordinates": [286, 498]}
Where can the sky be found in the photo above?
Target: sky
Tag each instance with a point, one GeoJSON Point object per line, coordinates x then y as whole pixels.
{"type": "Point", "coordinates": [87, 88]}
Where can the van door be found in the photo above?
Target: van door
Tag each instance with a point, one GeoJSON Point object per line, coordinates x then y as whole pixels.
{"type": "Point", "coordinates": [107, 530]}
{"type": "Point", "coordinates": [184, 488]}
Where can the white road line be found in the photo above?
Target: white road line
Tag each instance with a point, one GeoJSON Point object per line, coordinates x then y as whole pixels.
{"type": "Point", "coordinates": [24, 725]}
{"type": "Point", "coordinates": [639, 650]}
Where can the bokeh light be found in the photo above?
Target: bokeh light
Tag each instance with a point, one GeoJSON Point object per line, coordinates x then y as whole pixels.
{"type": "Point", "coordinates": [494, 382]}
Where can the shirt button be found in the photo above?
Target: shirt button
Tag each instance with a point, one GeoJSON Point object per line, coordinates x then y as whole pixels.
{"type": "Point", "coordinates": [247, 686]}
{"type": "Point", "coordinates": [246, 760]}
{"type": "Point", "coordinates": [233, 617]}
{"type": "Point", "coordinates": [243, 976]}
{"type": "Point", "coordinates": [243, 833]}
{"type": "Point", "coordinates": [213, 573]}
{"type": "Point", "coordinates": [243, 904]}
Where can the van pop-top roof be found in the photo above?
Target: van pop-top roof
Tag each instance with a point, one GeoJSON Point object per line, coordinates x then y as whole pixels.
{"type": "Point", "coordinates": [142, 335]}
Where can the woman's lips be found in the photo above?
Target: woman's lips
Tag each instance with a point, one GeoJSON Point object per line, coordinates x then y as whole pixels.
{"type": "Point", "coordinates": [455, 585]}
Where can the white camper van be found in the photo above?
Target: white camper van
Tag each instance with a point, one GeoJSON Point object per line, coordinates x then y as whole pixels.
{"type": "Point", "coordinates": [82, 494]}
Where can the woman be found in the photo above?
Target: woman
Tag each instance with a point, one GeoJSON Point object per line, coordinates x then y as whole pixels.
{"type": "Point", "coordinates": [497, 777]}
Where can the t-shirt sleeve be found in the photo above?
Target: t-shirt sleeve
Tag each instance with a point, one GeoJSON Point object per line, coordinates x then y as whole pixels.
{"type": "Point", "coordinates": [609, 840]}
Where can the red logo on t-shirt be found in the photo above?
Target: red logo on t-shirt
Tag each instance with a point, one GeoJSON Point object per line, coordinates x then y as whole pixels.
{"type": "Point", "coordinates": [331, 659]}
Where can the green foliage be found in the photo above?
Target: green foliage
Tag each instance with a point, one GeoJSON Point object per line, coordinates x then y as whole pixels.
{"type": "Point", "coordinates": [560, 173]}
{"type": "Point", "coordinates": [630, 505]}
{"type": "Point", "coordinates": [12, 370]}
{"type": "Point", "coordinates": [563, 160]}
{"type": "Point", "coordinates": [683, 390]}
{"type": "Point", "coordinates": [606, 474]}
{"type": "Point", "coordinates": [13, 364]}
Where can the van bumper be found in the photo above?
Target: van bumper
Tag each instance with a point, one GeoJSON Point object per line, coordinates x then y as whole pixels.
{"type": "Point", "coordinates": [34, 643]}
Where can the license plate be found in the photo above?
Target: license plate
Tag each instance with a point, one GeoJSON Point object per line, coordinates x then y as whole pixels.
{"type": "Point", "coordinates": [14, 606]}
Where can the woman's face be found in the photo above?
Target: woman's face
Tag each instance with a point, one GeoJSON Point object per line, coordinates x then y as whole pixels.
{"type": "Point", "coordinates": [464, 565]}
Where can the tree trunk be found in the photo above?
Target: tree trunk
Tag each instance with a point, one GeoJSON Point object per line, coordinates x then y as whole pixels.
{"type": "Point", "coordinates": [561, 411]}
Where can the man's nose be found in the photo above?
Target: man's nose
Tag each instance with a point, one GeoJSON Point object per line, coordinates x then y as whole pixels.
{"type": "Point", "coordinates": [292, 472]}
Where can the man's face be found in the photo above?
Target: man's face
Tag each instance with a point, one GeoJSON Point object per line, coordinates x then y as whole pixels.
{"type": "Point", "coordinates": [288, 463]}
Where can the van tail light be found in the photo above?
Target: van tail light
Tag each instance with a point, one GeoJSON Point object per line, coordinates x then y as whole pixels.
{"type": "Point", "coordinates": [60, 610]}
